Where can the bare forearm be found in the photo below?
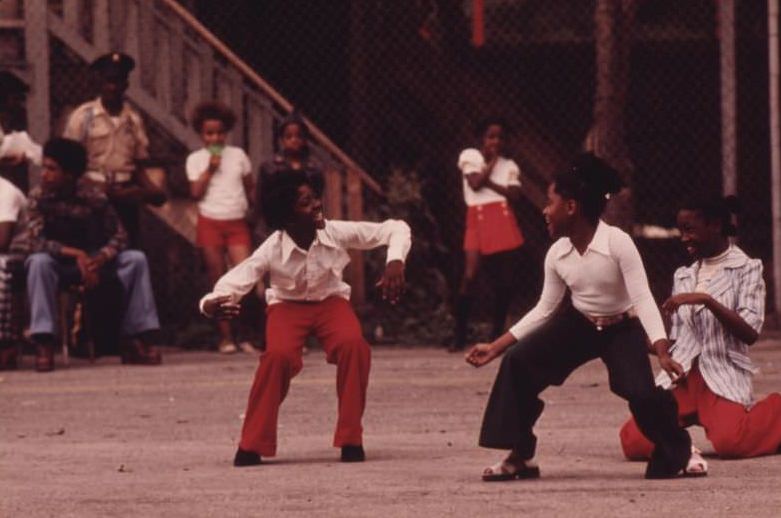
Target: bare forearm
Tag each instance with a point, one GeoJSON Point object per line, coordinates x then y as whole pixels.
{"type": "Point", "coordinates": [732, 322]}
{"type": "Point", "coordinates": [69, 251]}
{"type": "Point", "coordinates": [199, 186]}
{"type": "Point", "coordinates": [503, 342]}
{"type": "Point", "coordinates": [249, 190]}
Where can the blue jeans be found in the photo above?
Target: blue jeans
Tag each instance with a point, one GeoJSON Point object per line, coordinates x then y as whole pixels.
{"type": "Point", "coordinates": [45, 274]}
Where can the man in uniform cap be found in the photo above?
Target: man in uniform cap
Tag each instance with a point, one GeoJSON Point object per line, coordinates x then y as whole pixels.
{"type": "Point", "coordinates": [117, 146]}
{"type": "Point", "coordinates": [116, 141]}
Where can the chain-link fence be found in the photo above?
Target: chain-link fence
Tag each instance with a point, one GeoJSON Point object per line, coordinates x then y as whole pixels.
{"type": "Point", "coordinates": [400, 85]}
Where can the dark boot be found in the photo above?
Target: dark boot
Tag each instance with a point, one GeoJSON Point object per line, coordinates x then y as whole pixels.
{"type": "Point", "coordinates": [499, 317]}
{"type": "Point", "coordinates": [657, 418]}
{"type": "Point", "coordinates": [246, 458]}
{"type": "Point", "coordinates": [139, 351]}
{"type": "Point", "coordinates": [353, 453]}
{"type": "Point", "coordinates": [7, 357]}
{"type": "Point", "coordinates": [462, 310]}
{"type": "Point", "coordinates": [44, 352]}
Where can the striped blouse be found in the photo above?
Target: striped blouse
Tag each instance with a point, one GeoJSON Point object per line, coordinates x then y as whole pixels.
{"type": "Point", "coordinates": [723, 358]}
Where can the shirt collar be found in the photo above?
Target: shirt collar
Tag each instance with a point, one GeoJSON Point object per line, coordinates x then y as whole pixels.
{"type": "Point", "coordinates": [101, 110]}
{"type": "Point", "coordinates": [736, 258]}
{"type": "Point", "coordinates": [322, 237]}
{"type": "Point", "coordinates": [600, 243]}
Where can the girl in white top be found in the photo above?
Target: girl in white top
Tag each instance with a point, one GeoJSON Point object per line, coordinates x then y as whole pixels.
{"type": "Point", "coordinates": [492, 235]}
{"type": "Point", "coordinates": [611, 317]}
{"type": "Point", "coordinates": [220, 179]}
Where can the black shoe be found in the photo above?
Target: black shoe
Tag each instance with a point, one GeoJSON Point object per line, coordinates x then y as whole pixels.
{"type": "Point", "coordinates": [662, 466]}
{"type": "Point", "coordinates": [44, 352]}
{"type": "Point", "coordinates": [353, 454]}
{"type": "Point", "coordinates": [246, 458]}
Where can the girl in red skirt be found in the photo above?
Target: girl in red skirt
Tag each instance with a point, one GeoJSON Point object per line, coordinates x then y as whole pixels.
{"type": "Point", "coordinates": [304, 257]}
{"type": "Point", "coordinates": [491, 183]}
{"type": "Point", "coordinates": [221, 180]}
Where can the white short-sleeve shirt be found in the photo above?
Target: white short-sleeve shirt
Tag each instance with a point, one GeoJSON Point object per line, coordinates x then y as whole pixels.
{"type": "Point", "coordinates": [224, 198]}
{"type": "Point", "coordinates": [13, 207]}
{"type": "Point", "coordinates": [505, 173]}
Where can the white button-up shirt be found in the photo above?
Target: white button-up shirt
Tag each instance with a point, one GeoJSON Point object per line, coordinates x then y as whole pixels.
{"type": "Point", "coordinates": [608, 279]}
{"type": "Point", "coordinates": [723, 358]}
{"type": "Point", "coordinates": [314, 274]}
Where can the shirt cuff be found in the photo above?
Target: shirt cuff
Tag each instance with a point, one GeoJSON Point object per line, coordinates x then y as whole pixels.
{"type": "Point", "coordinates": [203, 300]}
{"type": "Point", "coordinates": [394, 257]}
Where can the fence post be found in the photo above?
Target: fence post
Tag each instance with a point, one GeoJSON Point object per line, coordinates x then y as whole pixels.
{"type": "Point", "coordinates": [355, 213]}
{"type": "Point", "coordinates": [179, 64]}
{"type": "Point", "coordinates": [101, 25]}
{"type": "Point", "coordinates": [70, 14]}
{"type": "Point", "coordinates": [775, 151]}
{"type": "Point", "coordinates": [36, 44]}
{"type": "Point", "coordinates": [333, 194]}
{"type": "Point", "coordinates": [729, 108]}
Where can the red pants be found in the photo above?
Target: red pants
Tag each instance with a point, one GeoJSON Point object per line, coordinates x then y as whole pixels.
{"type": "Point", "coordinates": [734, 431]}
{"type": "Point", "coordinates": [288, 324]}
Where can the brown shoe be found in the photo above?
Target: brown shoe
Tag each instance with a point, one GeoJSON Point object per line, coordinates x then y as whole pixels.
{"type": "Point", "coordinates": [44, 358]}
{"type": "Point", "coordinates": [138, 352]}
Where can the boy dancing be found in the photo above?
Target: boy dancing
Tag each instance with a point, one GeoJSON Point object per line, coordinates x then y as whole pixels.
{"type": "Point", "coordinates": [305, 257]}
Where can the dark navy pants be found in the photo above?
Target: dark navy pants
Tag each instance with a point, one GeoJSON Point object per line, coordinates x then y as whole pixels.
{"type": "Point", "coordinates": [547, 357]}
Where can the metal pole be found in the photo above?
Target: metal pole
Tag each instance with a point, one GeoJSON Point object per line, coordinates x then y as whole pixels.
{"type": "Point", "coordinates": [36, 42]}
{"type": "Point", "coordinates": [728, 103]}
{"type": "Point", "coordinates": [775, 150]}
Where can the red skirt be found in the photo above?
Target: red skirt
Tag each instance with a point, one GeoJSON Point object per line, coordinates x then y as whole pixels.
{"type": "Point", "coordinates": [491, 228]}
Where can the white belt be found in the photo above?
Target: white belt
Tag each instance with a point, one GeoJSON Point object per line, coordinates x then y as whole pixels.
{"type": "Point", "coordinates": [110, 176]}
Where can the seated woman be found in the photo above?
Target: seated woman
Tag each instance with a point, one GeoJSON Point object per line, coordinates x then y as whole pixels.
{"type": "Point", "coordinates": [717, 310]}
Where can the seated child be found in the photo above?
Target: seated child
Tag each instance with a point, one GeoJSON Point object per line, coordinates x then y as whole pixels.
{"type": "Point", "coordinates": [75, 236]}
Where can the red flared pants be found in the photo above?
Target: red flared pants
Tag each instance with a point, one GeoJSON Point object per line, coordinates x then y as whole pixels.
{"type": "Point", "coordinates": [288, 324]}
{"type": "Point", "coordinates": [733, 430]}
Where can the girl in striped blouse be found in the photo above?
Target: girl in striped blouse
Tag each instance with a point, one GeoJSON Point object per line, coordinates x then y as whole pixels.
{"type": "Point", "coordinates": [717, 309]}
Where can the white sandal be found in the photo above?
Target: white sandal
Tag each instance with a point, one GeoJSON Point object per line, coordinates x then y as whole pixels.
{"type": "Point", "coordinates": [227, 347]}
{"type": "Point", "coordinates": [247, 347]}
{"type": "Point", "coordinates": [697, 465]}
{"type": "Point", "coordinates": [506, 470]}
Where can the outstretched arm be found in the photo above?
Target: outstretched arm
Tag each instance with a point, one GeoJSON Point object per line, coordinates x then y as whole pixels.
{"type": "Point", "coordinates": [393, 233]}
{"type": "Point", "coordinates": [553, 290]}
{"type": "Point", "coordinates": [364, 235]}
{"type": "Point", "coordinates": [222, 302]}
{"type": "Point", "coordinates": [636, 283]}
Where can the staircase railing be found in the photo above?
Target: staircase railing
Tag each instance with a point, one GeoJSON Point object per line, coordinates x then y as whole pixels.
{"type": "Point", "coordinates": [180, 63]}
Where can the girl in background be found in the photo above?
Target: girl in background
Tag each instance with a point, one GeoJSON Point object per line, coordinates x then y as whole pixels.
{"type": "Point", "coordinates": [293, 155]}
{"type": "Point", "coordinates": [220, 179]}
{"type": "Point", "coordinates": [491, 184]}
